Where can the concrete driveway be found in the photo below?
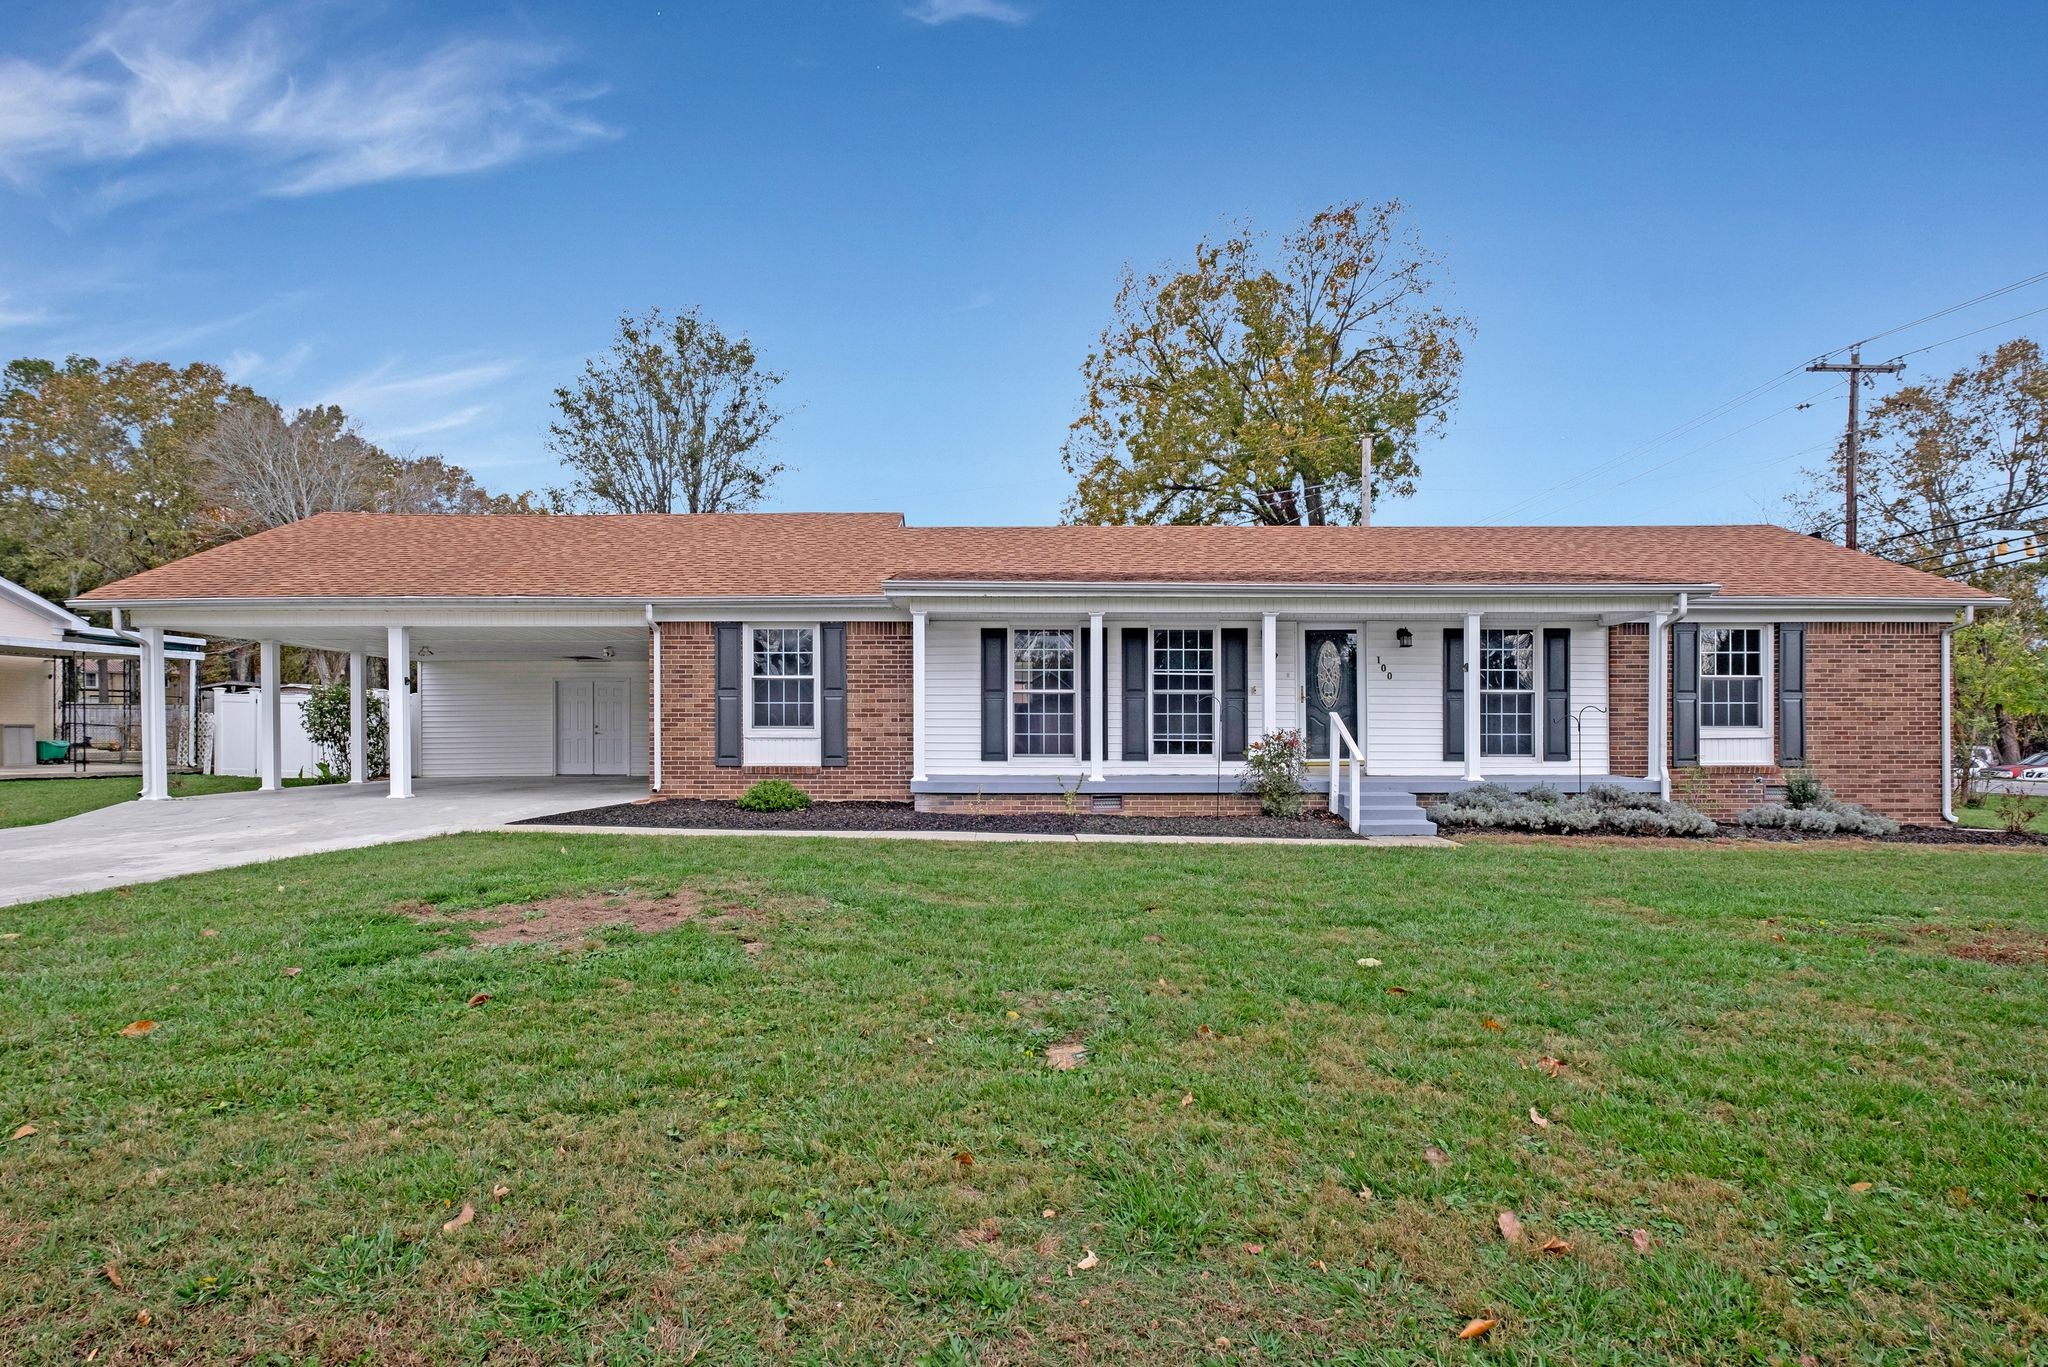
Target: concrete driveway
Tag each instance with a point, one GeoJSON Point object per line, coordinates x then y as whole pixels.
{"type": "Point", "coordinates": [140, 842]}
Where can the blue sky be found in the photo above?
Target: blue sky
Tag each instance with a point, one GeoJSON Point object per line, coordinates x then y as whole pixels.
{"type": "Point", "coordinates": [430, 213]}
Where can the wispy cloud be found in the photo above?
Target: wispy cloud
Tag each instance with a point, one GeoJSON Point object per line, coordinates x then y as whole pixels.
{"type": "Point", "coordinates": [447, 422]}
{"type": "Point", "coordinates": [195, 77]}
{"type": "Point", "coordinates": [937, 12]}
{"type": "Point", "coordinates": [389, 383]}
{"type": "Point", "coordinates": [13, 315]}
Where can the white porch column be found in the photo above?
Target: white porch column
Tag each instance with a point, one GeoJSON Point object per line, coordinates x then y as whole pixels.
{"type": "Point", "coordinates": [1472, 676]}
{"type": "Point", "coordinates": [358, 717]}
{"type": "Point", "coordinates": [1660, 673]}
{"type": "Point", "coordinates": [1098, 712]}
{"type": "Point", "coordinates": [398, 708]}
{"type": "Point", "coordinates": [917, 724]}
{"type": "Point", "coordinates": [188, 744]}
{"type": "Point", "coordinates": [156, 747]}
{"type": "Point", "coordinates": [269, 717]}
{"type": "Point", "coordinates": [1269, 673]}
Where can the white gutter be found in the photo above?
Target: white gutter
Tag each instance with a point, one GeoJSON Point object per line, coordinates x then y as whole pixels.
{"type": "Point", "coordinates": [992, 588]}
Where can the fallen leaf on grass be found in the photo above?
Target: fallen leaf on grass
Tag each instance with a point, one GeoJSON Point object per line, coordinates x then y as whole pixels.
{"type": "Point", "coordinates": [964, 1159]}
{"type": "Point", "coordinates": [1491, 1024]}
{"type": "Point", "coordinates": [1641, 1239]}
{"type": "Point", "coordinates": [987, 1232]}
{"type": "Point", "coordinates": [500, 1192]}
{"type": "Point", "coordinates": [1088, 1259]}
{"type": "Point", "coordinates": [24, 1132]}
{"type": "Point", "coordinates": [1050, 1213]}
{"type": "Point", "coordinates": [1255, 1249]}
{"type": "Point", "coordinates": [467, 1214]}
{"type": "Point", "coordinates": [209, 932]}
{"type": "Point", "coordinates": [1187, 1101]}
{"type": "Point", "coordinates": [1204, 1031]}
{"type": "Point", "coordinates": [113, 1276]}
{"type": "Point", "coordinates": [1065, 1057]}
{"type": "Point", "coordinates": [1436, 1156]}
{"type": "Point", "coordinates": [1476, 1328]}
{"type": "Point", "coordinates": [1365, 1193]}
{"type": "Point", "coordinates": [11, 935]}
{"type": "Point", "coordinates": [1555, 1245]}
{"type": "Point", "coordinates": [137, 1029]}
{"type": "Point", "coordinates": [294, 971]}
{"type": "Point", "coordinates": [1368, 963]}
{"type": "Point", "coordinates": [1859, 1186]}
{"type": "Point", "coordinates": [1397, 992]}
{"type": "Point", "coordinates": [1510, 1227]}
{"type": "Point", "coordinates": [142, 1317]}
{"type": "Point", "coordinates": [479, 999]}
{"type": "Point", "coordinates": [1155, 939]}
{"type": "Point", "coordinates": [1537, 1116]}
{"type": "Point", "coordinates": [1552, 1066]}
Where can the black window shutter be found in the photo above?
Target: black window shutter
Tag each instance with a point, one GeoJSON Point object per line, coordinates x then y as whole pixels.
{"type": "Point", "coordinates": [832, 694]}
{"type": "Point", "coordinates": [1557, 693]}
{"type": "Point", "coordinates": [995, 690]}
{"type": "Point", "coordinates": [1454, 693]}
{"type": "Point", "coordinates": [728, 670]}
{"type": "Point", "coordinates": [1082, 683]}
{"type": "Point", "coordinates": [1236, 714]}
{"type": "Point", "coordinates": [1792, 693]}
{"type": "Point", "coordinates": [1685, 693]}
{"type": "Point", "coordinates": [1137, 731]}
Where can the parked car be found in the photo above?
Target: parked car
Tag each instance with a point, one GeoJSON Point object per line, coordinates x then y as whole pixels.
{"type": "Point", "coordinates": [2031, 766]}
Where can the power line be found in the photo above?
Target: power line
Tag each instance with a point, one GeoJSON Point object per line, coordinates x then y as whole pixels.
{"type": "Point", "coordinates": [1985, 297]}
{"type": "Point", "coordinates": [1855, 370]}
{"type": "Point", "coordinates": [2005, 322]}
{"type": "Point", "coordinates": [1958, 523]}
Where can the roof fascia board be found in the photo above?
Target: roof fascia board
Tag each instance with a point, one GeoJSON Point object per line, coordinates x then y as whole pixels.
{"type": "Point", "coordinates": [992, 588]}
{"type": "Point", "coordinates": [36, 603]}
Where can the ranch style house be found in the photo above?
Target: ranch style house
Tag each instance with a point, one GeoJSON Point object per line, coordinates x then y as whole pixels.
{"type": "Point", "coordinates": [1113, 669]}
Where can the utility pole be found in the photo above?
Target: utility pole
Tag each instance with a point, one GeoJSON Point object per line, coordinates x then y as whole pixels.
{"type": "Point", "coordinates": [1855, 370]}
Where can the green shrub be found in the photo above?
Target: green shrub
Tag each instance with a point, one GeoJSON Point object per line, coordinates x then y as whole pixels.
{"type": "Point", "coordinates": [1810, 807]}
{"type": "Point", "coordinates": [326, 718]}
{"type": "Point", "coordinates": [1803, 789]}
{"type": "Point", "coordinates": [1603, 807]}
{"type": "Point", "coordinates": [774, 795]}
{"type": "Point", "coordinates": [1272, 769]}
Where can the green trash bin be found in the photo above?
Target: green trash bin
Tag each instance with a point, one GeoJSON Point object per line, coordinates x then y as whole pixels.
{"type": "Point", "coordinates": [51, 751]}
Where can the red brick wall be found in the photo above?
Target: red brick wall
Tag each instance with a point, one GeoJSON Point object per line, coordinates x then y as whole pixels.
{"type": "Point", "coordinates": [1873, 725]}
{"type": "Point", "coordinates": [1628, 699]}
{"type": "Point", "coordinates": [878, 730]}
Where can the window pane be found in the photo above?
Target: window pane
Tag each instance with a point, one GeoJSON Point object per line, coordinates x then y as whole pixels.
{"type": "Point", "coordinates": [1507, 692]}
{"type": "Point", "coordinates": [785, 682]}
{"type": "Point", "coordinates": [1183, 691]}
{"type": "Point", "coordinates": [1507, 723]}
{"type": "Point", "coordinates": [1042, 692]}
{"type": "Point", "coordinates": [1731, 676]}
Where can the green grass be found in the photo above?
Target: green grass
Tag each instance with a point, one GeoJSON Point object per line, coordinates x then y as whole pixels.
{"type": "Point", "coordinates": [1990, 814]}
{"type": "Point", "coordinates": [32, 801]}
{"type": "Point", "coordinates": [843, 1146]}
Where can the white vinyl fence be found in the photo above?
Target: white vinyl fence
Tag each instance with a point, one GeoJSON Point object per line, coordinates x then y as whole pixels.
{"type": "Point", "coordinates": [230, 730]}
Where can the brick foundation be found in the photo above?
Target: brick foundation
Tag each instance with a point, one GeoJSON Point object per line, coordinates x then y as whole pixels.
{"type": "Point", "coordinates": [1873, 725]}
{"type": "Point", "coordinates": [878, 727]}
{"type": "Point", "coordinates": [1134, 804]}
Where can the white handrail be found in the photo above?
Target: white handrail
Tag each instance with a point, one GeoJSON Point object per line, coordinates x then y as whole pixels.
{"type": "Point", "coordinates": [1344, 753]}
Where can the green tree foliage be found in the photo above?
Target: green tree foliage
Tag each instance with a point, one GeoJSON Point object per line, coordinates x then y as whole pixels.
{"type": "Point", "coordinates": [1238, 388]}
{"type": "Point", "coordinates": [668, 420]}
{"type": "Point", "coordinates": [1954, 480]}
{"type": "Point", "coordinates": [96, 474]}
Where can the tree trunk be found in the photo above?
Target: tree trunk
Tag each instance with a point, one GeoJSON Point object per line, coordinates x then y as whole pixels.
{"type": "Point", "coordinates": [2008, 736]}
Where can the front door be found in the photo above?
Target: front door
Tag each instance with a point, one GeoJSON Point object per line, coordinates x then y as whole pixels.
{"type": "Point", "coordinates": [1329, 683]}
{"type": "Point", "coordinates": [575, 727]}
{"type": "Point", "coordinates": [608, 727]}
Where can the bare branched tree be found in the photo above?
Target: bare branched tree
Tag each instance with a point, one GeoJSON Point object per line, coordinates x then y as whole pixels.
{"type": "Point", "coordinates": [667, 421]}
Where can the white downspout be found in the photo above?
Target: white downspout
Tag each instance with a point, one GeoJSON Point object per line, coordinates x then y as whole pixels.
{"type": "Point", "coordinates": [654, 630]}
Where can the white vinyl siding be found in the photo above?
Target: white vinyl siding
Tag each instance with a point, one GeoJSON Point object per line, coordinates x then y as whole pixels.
{"type": "Point", "coordinates": [496, 718]}
{"type": "Point", "coordinates": [1404, 713]}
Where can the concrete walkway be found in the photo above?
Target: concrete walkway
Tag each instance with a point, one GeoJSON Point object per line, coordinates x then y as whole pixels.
{"type": "Point", "coordinates": [140, 842]}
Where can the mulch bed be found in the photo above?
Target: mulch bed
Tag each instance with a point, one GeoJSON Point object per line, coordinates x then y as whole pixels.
{"type": "Point", "coordinates": [702, 814]}
{"type": "Point", "coordinates": [1908, 835]}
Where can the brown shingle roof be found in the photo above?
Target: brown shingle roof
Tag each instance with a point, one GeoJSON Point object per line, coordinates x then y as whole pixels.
{"type": "Point", "coordinates": [753, 555]}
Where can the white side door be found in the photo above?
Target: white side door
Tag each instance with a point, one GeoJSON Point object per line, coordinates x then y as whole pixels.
{"type": "Point", "coordinates": [575, 727]}
{"type": "Point", "coordinates": [609, 727]}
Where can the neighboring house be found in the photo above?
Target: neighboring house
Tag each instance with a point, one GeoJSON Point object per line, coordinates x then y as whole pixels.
{"type": "Point", "coordinates": [1120, 668]}
{"type": "Point", "coordinates": [66, 682]}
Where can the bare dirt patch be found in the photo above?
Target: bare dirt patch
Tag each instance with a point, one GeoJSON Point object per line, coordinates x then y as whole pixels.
{"type": "Point", "coordinates": [2016, 948]}
{"type": "Point", "coordinates": [570, 918]}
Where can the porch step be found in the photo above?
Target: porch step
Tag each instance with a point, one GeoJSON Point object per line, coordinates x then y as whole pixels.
{"type": "Point", "coordinates": [1386, 812]}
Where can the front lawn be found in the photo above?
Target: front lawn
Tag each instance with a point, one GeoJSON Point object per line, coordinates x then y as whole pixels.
{"type": "Point", "coordinates": [1990, 813]}
{"type": "Point", "coordinates": [816, 1120]}
{"type": "Point", "coordinates": [32, 801]}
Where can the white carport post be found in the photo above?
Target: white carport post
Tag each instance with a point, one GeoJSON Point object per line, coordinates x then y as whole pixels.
{"type": "Point", "coordinates": [1660, 673]}
{"type": "Point", "coordinates": [270, 717]}
{"type": "Point", "coordinates": [1269, 673]}
{"type": "Point", "coordinates": [156, 750]}
{"type": "Point", "coordinates": [358, 716]}
{"type": "Point", "coordinates": [1098, 741]}
{"type": "Point", "coordinates": [917, 774]}
{"type": "Point", "coordinates": [398, 708]}
{"type": "Point", "coordinates": [1473, 677]}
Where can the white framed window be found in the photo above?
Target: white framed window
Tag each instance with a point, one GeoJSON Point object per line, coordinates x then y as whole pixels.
{"type": "Point", "coordinates": [1507, 691]}
{"type": "Point", "coordinates": [1183, 691]}
{"type": "Point", "coordinates": [1732, 678]}
{"type": "Point", "coordinates": [782, 679]}
{"type": "Point", "coordinates": [1044, 691]}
